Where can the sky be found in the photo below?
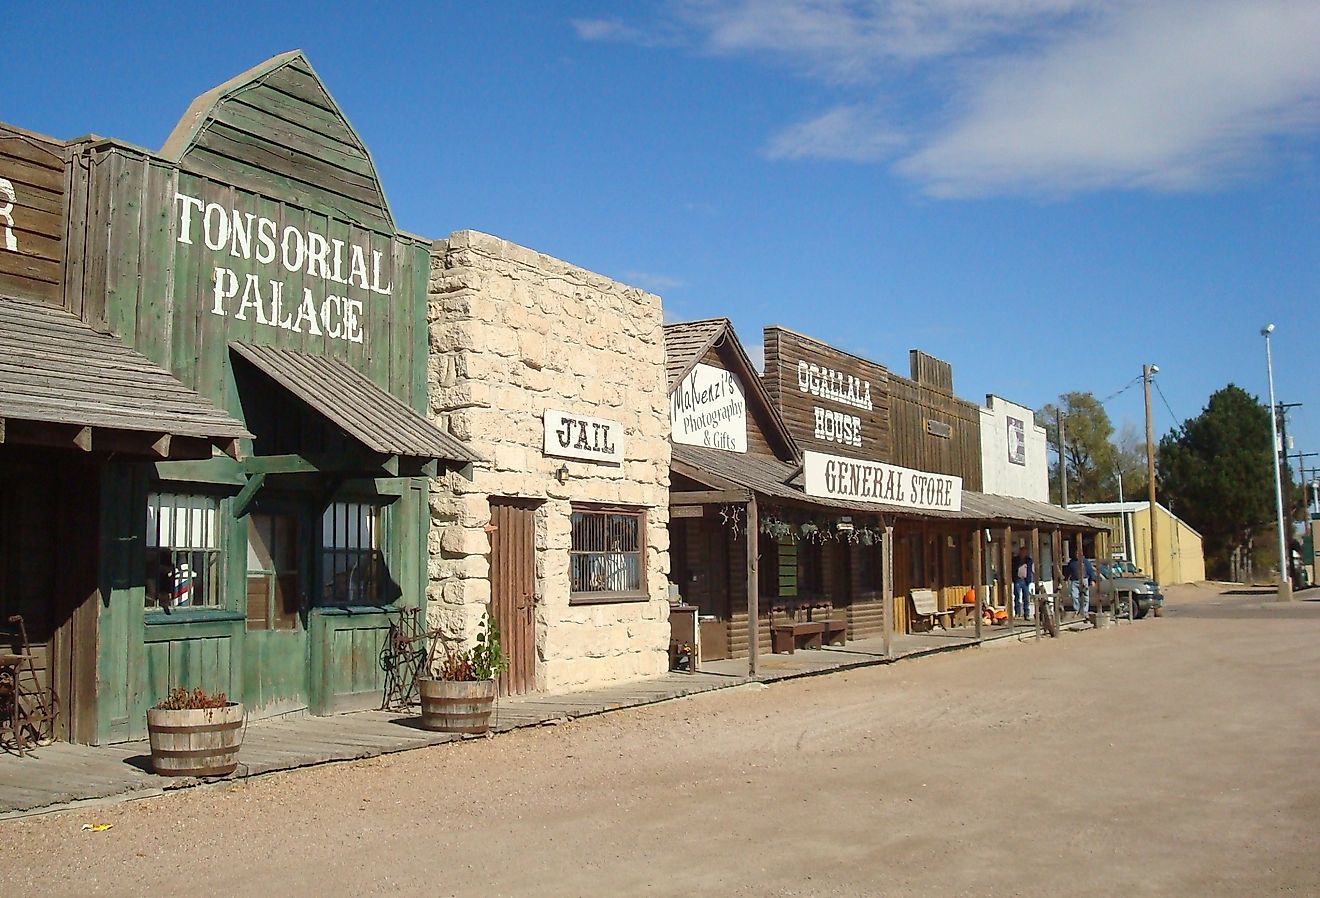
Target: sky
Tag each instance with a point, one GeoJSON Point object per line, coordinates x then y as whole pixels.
{"type": "Point", "coordinates": [1046, 193]}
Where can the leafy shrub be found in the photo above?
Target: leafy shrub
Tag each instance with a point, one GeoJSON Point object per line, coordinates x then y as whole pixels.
{"type": "Point", "coordinates": [181, 699]}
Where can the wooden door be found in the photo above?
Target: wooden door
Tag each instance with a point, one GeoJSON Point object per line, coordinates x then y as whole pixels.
{"type": "Point", "coordinates": [513, 589]}
{"type": "Point", "coordinates": [275, 644]}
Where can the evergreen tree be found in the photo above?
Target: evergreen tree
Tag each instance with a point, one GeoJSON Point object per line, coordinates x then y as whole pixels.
{"type": "Point", "coordinates": [1217, 472]}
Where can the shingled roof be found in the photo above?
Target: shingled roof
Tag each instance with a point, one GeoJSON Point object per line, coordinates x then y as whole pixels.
{"type": "Point", "coordinates": [54, 369]}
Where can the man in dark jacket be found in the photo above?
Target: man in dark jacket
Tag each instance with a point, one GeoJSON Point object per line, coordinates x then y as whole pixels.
{"type": "Point", "coordinates": [1081, 592]}
{"type": "Point", "coordinates": [1022, 576]}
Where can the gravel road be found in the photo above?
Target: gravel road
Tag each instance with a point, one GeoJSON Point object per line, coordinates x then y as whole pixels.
{"type": "Point", "coordinates": [1173, 757]}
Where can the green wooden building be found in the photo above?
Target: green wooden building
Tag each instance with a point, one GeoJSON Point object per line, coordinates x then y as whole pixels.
{"type": "Point", "coordinates": [254, 259]}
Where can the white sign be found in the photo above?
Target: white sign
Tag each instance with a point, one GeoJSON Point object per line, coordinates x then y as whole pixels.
{"type": "Point", "coordinates": [818, 380]}
{"type": "Point", "coordinates": [568, 435]}
{"type": "Point", "coordinates": [1017, 441]}
{"type": "Point", "coordinates": [247, 236]}
{"type": "Point", "coordinates": [709, 409]}
{"type": "Point", "coordinates": [7, 201]}
{"type": "Point", "coordinates": [835, 477]}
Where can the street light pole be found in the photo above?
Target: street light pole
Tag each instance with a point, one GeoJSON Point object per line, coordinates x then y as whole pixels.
{"type": "Point", "coordinates": [1285, 582]}
{"type": "Point", "coordinates": [1147, 372]}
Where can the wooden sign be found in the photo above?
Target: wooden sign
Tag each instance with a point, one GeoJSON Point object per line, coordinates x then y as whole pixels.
{"type": "Point", "coordinates": [32, 216]}
{"type": "Point", "coordinates": [569, 435]}
{"type": "Point", "coordinates": [940, 429]}
{"type": "Point", "coordinates": [830, 399]}
{"type": "Point", "coordinates": [709, 409]}
{"type": "Point", "coordinates": [850, 479]}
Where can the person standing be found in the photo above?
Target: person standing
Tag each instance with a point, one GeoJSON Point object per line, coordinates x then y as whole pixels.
{"type": "Point", "coordinates": [1080, 589]}
{"type": "Point", "coordinates": [1023, 574]}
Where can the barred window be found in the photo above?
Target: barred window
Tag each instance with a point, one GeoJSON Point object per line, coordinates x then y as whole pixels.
{"type": "Point", "coordinates": [351, 561]}
{"type": "Point", "coordinates": [606, 554]}
{"type": "Point", "coordinates": [183, 551]}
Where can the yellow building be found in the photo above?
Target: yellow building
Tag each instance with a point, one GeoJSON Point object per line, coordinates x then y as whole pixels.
{"type": "Point", "coordinates": [1182, 559]}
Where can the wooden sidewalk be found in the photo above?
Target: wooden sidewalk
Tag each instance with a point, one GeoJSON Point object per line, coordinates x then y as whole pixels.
{"type": "Point", "coordinates": [62, 775]}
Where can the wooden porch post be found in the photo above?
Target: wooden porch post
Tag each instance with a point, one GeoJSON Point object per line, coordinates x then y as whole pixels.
{"type": "Point", "coordinates": [1006, 572]}
{"type": "Point", "coordinates": [753, 585]}
{"type": "Point", "coordinates": [978, 576]}
{"type": "Point", "coordinates": [1081, 564]}
{"type": "Point", "coordinates": [887, 592]}
{"type": "Point", "coordinates": [1035, 568]}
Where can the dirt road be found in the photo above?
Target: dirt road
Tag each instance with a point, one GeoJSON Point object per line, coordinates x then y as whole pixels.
{"type": "Point", "coordinates": [1173, 757]}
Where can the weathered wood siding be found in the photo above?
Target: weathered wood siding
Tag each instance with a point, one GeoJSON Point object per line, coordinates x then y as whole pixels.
{"type": "Point", "coordinates": [917, 404]}
{"type": "Point", "coordinates": [32, 216]}
{"type": "Point", "coordinates": [170, 251]}
{"type": "Point", "coordinates": [158, 293]}
{"type": "Point", "coordinates": [758, 417]}
{"type": "Point", "coordinates": [784, 352]}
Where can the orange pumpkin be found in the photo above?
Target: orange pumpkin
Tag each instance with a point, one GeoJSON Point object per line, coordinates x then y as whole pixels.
{"type": "Point", "coordinates": [969, 597]}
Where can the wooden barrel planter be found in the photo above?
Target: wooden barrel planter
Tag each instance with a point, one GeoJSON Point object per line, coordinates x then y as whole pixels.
{"type": "Point", "coordinates": [200, 742]}
{"type": "Point", "coordinates": [457, 706]}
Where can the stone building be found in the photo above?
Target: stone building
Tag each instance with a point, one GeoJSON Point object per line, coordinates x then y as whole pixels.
{"type": "Point", "coordinates": [556, 376]}
{"type": "Point", "coordinates": [1013, 451]}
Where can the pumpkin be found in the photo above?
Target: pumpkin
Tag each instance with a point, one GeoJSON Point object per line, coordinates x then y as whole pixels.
{"type": "Point", "coordinates": [969, 597]}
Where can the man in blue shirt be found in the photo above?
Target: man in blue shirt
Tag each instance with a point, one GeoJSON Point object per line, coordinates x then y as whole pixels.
{"type": "Point", "coordinates": [1022, 576]}
{"type": "Point", "coordinates": [1081, 592]}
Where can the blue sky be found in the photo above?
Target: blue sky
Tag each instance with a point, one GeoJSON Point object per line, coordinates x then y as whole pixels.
{"type": "Point", "coordinates": [1047, 193]}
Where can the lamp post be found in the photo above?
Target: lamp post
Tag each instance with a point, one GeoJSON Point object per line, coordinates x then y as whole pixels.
{"type": "Point", "coordinates": [1285, 583]}
{"type": "Point", "coordinates": [1147, 372]}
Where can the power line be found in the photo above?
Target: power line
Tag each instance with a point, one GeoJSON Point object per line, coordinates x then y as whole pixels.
{"type": "Point", "coordinates": [1175, 418]}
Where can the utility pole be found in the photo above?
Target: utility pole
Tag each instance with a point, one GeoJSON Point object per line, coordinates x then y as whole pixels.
{"type": "Point", "coordinates": [1147, 372]}
{"type": "Point", "coordinates": [1063, 461]}
{"type": "Point", "coordinates": [1282, 411]}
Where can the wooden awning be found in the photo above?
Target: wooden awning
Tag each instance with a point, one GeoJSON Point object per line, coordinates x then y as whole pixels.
{"type": "Point", "coordinates": [776, 480]}
{"type": "Point", "coordinates": [63, 383]}
{"type": "Point", "coordinates": [380, 422]}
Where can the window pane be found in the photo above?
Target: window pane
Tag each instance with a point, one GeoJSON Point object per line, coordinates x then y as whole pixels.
{"type": "Point", "coordinates": [605, 552]}
{"type": "Point", "coordinates": [183, 554]}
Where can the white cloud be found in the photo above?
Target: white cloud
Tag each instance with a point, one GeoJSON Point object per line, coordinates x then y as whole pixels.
{"type": "Point", "coordinates": [1162, 98]}
{"type": "Point", "coordinates": [1029, 96]}
{"type": "Point", "coordinates": [655, 283]}
{"type": "Point", "coordinates": [756, 352]}
{"type": "Point", "coordinates": [851, 133]}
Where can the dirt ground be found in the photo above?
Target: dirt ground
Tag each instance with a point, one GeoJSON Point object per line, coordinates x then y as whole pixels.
{"type": "Point", "coordinates": [1172, 757]}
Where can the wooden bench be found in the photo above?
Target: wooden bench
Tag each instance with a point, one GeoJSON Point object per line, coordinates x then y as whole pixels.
{"type": "Point", "coordinates": [925, 606]}
{"type": "Point", "coordinates": [836, 631]}
{"type": "Point", "coordinates": [786, 630]}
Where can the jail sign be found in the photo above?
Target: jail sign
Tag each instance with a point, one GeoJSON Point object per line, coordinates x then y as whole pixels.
{"type": "Point", "coordinates": [570, 435]}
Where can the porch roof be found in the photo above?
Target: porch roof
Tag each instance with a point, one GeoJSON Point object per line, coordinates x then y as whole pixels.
{"type": "Point", "coordinates": [55, 369]}
{"type": "Point", "coordinates": [345, 397]}
{"type": "Point", "coordinates": [775, 479]}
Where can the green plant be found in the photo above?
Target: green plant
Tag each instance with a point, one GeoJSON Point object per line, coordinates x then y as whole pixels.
{"type": "Point", "coordinates": [181, 699]}
{"type": "Point", "coordinates": [484, 661]}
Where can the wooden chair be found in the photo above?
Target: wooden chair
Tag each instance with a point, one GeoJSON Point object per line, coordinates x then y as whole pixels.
{"type": "Point", "coordinates": [926, 607]}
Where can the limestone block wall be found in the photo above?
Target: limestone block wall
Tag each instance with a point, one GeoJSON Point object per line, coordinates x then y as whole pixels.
{"type": "Point", "coordinates": [512, 333]}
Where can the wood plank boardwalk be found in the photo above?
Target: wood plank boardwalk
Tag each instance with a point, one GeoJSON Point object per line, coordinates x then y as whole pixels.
{"type": "Point", "coordinates": [63, 775]}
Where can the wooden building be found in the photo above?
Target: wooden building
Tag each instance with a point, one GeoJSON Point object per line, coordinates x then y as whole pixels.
{"type": "Point", "coordinates": [252, 330]}
{"type": "Point", "coordinates": [743, 533]}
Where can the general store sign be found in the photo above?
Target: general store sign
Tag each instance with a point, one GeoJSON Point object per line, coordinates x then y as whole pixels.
{"type": "Point", "coordinates": [709, 408]}
{"type": "Point", "coordinates": [850, 479]}
{"type": "Point", "coordinates": [237, 238]}
{"type": "Point", "coordinates": [569, 435]}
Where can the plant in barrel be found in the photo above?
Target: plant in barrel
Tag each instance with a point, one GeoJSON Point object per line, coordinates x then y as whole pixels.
{"type": "Point", "coordinates": [195, 733]}
{"type": "Point", "coordinates": [459, 696]}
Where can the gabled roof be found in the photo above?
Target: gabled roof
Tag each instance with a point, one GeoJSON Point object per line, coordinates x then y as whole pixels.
{"type": "Point", "coordinates": [54, 369]}
{"type": "Point", "coordinates": [345, 397]}
{"type": "Point", "coordinates": [276, 130]}
{"type": "Point", "coordinates": [688, 342]}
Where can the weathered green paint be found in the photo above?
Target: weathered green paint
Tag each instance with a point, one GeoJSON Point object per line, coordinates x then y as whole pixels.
{"type": "Point", "coordinates": [788, 567]}
{"type": "Point", "coordinates": [276, 149]}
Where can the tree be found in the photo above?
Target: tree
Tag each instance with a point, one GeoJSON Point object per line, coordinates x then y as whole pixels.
{"type": "Point", "coordinates": [1217, 471]}
{"type": "Point", "coordinates": [1091, 458]}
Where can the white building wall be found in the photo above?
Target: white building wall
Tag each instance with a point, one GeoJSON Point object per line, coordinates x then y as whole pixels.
{"type": "Point", "coordinates": [1001, 472]}
{"type": "Point", "coordinates": [513, 333]}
